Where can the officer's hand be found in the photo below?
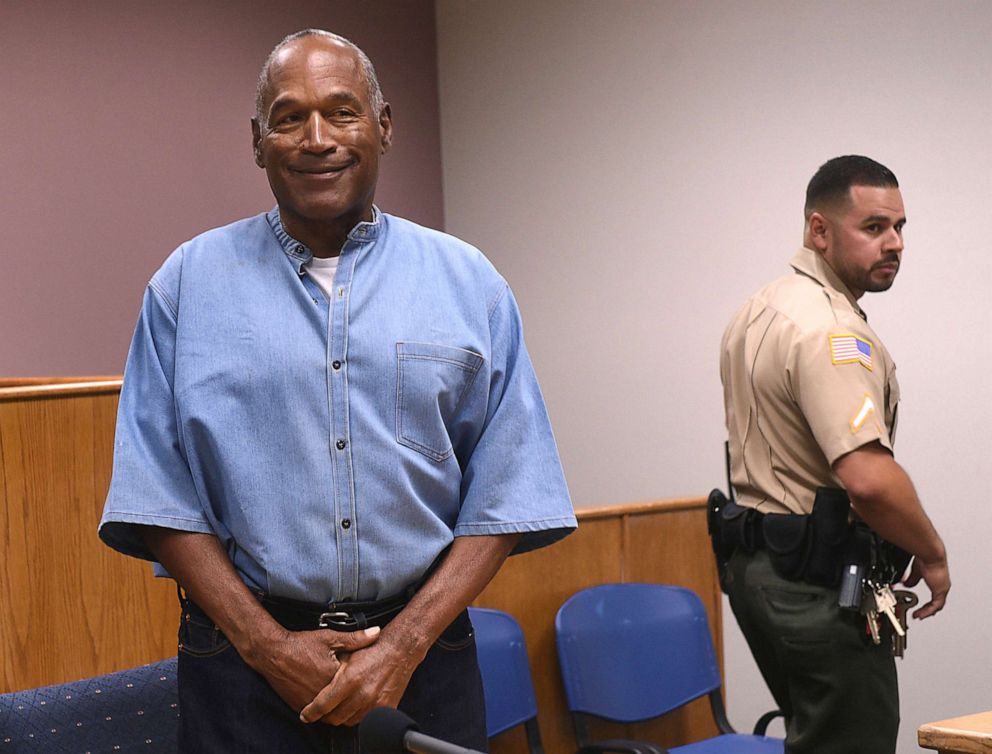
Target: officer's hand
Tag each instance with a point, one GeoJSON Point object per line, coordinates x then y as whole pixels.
{"type": "Point", "coordinates": [298, 664]}
{"type": "Point", "coordinates": [372, 677]}
{"type": "Point", "coordinates": [937, 578]}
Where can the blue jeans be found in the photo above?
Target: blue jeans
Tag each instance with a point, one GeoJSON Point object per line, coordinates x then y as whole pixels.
{"type": "Point", "coordinates": [226, 707]}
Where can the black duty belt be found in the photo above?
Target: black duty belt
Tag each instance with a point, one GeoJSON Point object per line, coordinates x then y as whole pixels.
{"type": "Point", "coordinates": [338, 616]}
{"type": "Point", "coordinates": [754, 530]}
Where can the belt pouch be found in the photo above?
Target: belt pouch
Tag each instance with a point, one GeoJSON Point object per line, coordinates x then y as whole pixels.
{"type": "Point", "coordinates": [859, 545]}
{"type": "Point", "coordinates": [788, 543]}
{"type": "Point", "coordinates": [828, 536]}
{"type": "Point", "coordinates": [894, 557]}
{"type": "Point", "coordinates": [737, 527]}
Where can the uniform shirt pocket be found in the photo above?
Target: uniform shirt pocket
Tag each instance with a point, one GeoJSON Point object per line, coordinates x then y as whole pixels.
{"type": "Point", "coordinates": [432, 381]}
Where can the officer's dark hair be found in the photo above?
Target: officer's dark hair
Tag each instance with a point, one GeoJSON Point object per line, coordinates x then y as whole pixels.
{"type": "Point", "coordinates": [834, 179]}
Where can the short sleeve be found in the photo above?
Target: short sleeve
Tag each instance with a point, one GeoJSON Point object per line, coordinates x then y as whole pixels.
{"type": "Point", "coordinates": [151, 483]}
{"type": "Point", "coordinates": [839, 380]}
{"type": "Point", "coordinates": [513, 480]}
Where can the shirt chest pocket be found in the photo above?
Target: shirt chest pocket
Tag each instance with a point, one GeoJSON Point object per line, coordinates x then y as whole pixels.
{"type": "Point", "coordinates": [431, 384]}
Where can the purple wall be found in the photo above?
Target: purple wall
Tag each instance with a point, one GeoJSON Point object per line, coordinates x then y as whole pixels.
{"type": "Point", "coordinates": [125, 131]}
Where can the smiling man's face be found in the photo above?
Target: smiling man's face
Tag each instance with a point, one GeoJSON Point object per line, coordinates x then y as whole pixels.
{"type": "Point", "coordinates": [320, 142]}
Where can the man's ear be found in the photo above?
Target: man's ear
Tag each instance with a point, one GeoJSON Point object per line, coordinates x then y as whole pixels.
{"type": "Point", "coordinates": [256, 143]}
{"type": "Point", "coordinates": [385, 128]}
{"type": "Point", "coordinates": [819, 231]}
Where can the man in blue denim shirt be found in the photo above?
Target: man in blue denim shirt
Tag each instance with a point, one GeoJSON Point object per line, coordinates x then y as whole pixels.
{"type": "Point", "coordinates": [331, 435]}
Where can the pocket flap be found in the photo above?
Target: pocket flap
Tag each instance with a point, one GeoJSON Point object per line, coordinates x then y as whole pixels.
{"type": "Point", "coordinates": [784, 533]}
{"type": "Point", "coordinates": [732, 511]}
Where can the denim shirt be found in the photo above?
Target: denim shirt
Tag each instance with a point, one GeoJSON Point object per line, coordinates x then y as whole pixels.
{"type": "Point", "coordinates": [334, 447]}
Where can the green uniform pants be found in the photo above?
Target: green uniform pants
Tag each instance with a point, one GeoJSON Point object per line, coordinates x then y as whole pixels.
{"type": "Point", "coordinates": [838, 690]}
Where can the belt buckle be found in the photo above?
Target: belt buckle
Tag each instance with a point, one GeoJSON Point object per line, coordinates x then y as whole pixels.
{"type": "Point", "coordinates": [338, 619]}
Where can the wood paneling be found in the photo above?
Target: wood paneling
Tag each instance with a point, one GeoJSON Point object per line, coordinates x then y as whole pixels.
{"type": "Point", "coordinates": [70, 607]}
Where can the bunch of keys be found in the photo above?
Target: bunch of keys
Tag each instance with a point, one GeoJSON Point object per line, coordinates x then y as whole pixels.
{"type": "Point", "coordinates": [905, 599]}
{"type": "Point", "coordinates": [880, 599]}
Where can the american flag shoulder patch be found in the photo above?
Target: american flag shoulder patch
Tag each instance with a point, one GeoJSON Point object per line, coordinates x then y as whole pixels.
{"type": "Point", "coordinates": [850, 349]}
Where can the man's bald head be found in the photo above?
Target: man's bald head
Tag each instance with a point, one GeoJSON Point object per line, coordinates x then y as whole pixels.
{"type": "Point", "coordinates": [262, 87]}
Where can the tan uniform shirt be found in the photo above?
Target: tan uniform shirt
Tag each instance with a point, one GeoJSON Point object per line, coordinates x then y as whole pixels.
{"type": "Point", "coordinates": [805, 380]}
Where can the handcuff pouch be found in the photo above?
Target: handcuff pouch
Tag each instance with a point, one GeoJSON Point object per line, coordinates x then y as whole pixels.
{"type": "Point", "coordinates": [788, 543]}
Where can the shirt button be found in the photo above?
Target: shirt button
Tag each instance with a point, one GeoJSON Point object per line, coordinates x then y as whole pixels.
{"type": "Point", "coordinates": [340, 444]}
{"type": "Point", "coordinates": [346, 524]}
{"type": "Point", "coordinates": [336, 364]}
{"type": "Point", "coordinates": [299, 249]}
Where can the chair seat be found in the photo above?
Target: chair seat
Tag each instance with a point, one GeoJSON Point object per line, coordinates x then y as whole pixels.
{"type": "Point", "coordinates": [733, 743]}
{"type": "Point", "coordinates": [130, 710]}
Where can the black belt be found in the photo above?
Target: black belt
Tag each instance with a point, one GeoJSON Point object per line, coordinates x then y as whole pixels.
{"type": "Point", "coordinates": [752, 531]}
{"type": "Point", "coordinates": [344, 616]}
{"type": "Point", "coordinates": [339, 616]}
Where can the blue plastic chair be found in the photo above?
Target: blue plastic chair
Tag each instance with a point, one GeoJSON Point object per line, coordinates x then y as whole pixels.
{"type": "Point", "coordinates": [131, 710]}
{"type": "Point", "coordinates": [506, 680]}
{"type": "Point", "coordinates": [633, 652]}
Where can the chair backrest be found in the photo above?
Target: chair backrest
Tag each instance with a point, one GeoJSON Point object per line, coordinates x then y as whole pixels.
{"type": "Point", "coordinates": [631, 652]}
{"type": "Point", "coordinates": [135, 709]}
{"type": "Point", "coordinates": [510, 699]}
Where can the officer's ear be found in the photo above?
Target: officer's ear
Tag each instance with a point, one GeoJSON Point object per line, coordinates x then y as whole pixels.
{"type": "Point", "coordinates": [818, 231]}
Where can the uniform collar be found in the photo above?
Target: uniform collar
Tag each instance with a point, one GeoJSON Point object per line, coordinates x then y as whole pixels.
{"type": "Point", "coordinates": [810, 263]}
{"type": "Point", "coordinates": [300, 255]}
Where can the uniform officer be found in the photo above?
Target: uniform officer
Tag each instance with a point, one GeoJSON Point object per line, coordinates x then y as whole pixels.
{"type": "Point", "coordinates": [811, 395]}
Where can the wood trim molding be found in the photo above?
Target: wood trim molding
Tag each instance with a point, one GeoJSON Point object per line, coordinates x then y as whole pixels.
{"type": "Point", "coordinates": [63, 387]}
{"type": "Point", "coordinates": [630, 509]}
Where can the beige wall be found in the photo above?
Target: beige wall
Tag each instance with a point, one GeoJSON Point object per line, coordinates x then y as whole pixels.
{"type": "Point", "coordinates": [125, 132]}
{"type": "Point", "coordinates": [637, 168]}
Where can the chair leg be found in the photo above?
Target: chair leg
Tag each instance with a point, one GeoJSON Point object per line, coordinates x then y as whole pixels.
{"type": "Point", "coordinates": [762, 725]}
{"type": "Point", "coordinates": [534, 736]}
{"type": "Point", "coordinates": [581, 731]}
{"type": "Point", "coordinates": [720, 712]}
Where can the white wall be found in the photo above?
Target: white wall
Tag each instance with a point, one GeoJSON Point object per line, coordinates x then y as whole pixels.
{"type": "Point", "coordinates": [636, 169]}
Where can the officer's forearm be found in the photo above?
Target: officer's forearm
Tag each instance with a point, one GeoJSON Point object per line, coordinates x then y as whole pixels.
{"type": "Point", "coordinates": [883, 495]}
